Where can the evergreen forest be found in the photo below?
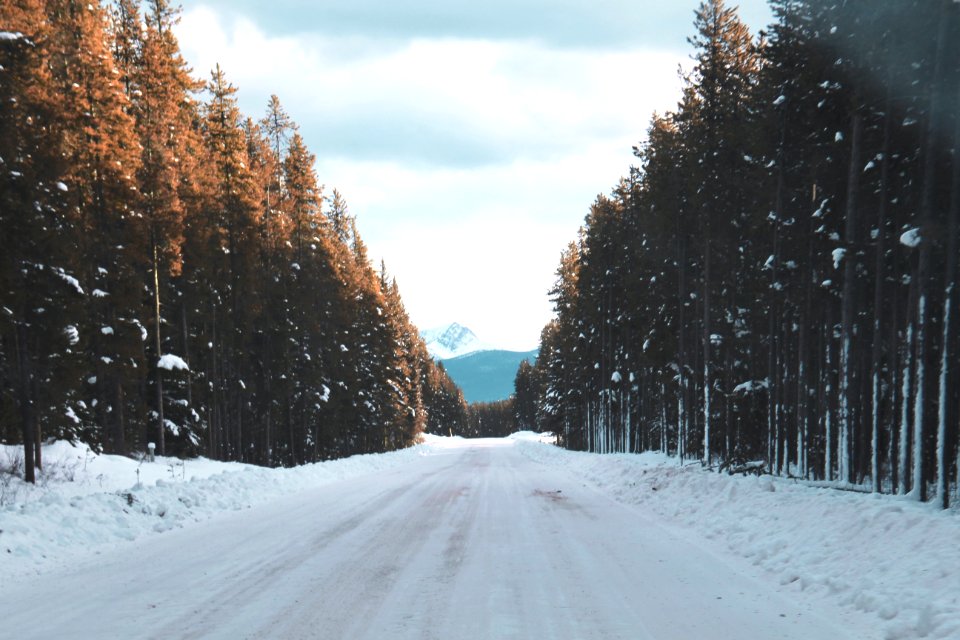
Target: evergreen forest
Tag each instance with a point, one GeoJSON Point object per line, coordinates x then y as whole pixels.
{"type": "Point", "coordinates": [773, 286]}
{"type": "Point", "coordinates": [173, 272]}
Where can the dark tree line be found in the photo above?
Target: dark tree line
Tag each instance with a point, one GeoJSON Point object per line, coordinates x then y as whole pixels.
{"type": "Point", "coordinates": [776, 280]}
{"type": "Point", "coordinates": [171, 270]}
{"type": "Point", "coordinates": [500, 418]}
{"type": "Point", "coordinates": [494, 419]}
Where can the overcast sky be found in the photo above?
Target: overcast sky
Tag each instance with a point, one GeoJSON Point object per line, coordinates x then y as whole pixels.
{"type": "Point", "coordinates": [469, 138]}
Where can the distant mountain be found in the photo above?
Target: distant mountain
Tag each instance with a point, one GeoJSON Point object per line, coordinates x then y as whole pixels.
{"type": "Point", "coordinates": [451, 341]}
{"type": "Point", "coordinates": [486, 376]}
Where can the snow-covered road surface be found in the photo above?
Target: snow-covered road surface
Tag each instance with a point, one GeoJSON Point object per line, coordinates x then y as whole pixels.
{"type": "Point", "coordinates": [474, 541]}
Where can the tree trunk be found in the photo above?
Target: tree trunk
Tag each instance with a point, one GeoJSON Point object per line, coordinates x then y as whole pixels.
{"type": "Point", "coordinates": [38, 435]}
{"type": "Point", "coordinates": [927, 222]}
{"type": "Point", "coordinates": [827, 397]}
{"type": "Point", "coordinates": [846, 425]}
{"type": "Point", "coordinates": [782, 400]}
{"type": "Point", "coordinates": [681, 347]}
{"type": "Point", "coordinates": [893, 443]}
{"type": "Point", "coordinates": [906, 388]}
{"type": "Point", "coordinates": [773, 428]}
{"type": "Point", "coordinates": [157, 344]}
{"type": "Point", "coordinates": [27, 413]}
{"type": "Point", "coordinates": [880, 273]}
{"type": "Point", "coordinates": [706, 353]}
{"type": "Point", "coordinates": [119, 439]}
{"type": "Point", "coordinates": [949, 293]}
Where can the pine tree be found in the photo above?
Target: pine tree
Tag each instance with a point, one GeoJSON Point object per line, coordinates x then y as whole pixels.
{"type": "Point", "coordinates": [40, 317]}
{"type": "Point", "coordinates": [230, 218]}
{"type": "Point", "coordinates": [948, 344]}
{"type": "Point", "coordinates": [740, 288]}
{"type": "Point", "coordinates": [101, 149]}
{"type": "Point", "coordinates": [714, 122]}
{"type": "Point", "coordinates": [138, 222]}
{"type": "Point", "coordinates": [159, 88]}
{"type": "Point", "coordinates": [526, 391]}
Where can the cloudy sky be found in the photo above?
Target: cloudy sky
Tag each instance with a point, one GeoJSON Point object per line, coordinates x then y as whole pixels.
{"type": "Point", "coordinates": [469, 138]}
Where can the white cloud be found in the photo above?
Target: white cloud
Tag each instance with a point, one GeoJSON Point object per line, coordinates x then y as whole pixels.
{"type": "Point", "coordinates": [575, 24]}
{"type": "Point", "coordinates": [480, 246]}
{"type": "Point", "coordinates": [513, 99]}
{"type": "Point", "coordinates": [469, 163]}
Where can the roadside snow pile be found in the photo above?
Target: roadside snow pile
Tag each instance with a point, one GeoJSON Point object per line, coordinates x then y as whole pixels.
{"type": "Point", "coordinates": [438, 441]}
{"type": "Point", "coordinates": [85, 500]}
{"type": "Point", "coordinates": [884, 555]}
{"type": "Point", "coordinates": [532, 436]}
{"type": "Point", "coordinates": [72, 470]}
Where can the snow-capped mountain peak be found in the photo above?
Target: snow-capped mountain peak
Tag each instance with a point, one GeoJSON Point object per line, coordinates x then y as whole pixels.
{"type": "Point", "coordinates": [451, 341]}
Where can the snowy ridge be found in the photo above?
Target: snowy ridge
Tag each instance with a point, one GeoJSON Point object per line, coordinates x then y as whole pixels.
{"type": "Point", "coordinates": [87, 501]}
{"type": "Point", "coordinates": [451, 341]}
{"type": "Point", "coordinates": [892, 560]}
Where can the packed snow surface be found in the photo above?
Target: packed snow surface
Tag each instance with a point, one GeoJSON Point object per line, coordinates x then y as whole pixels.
{"type": "Point", "coordinates": [459, 538]}
{"type": "Point", "coordinates": [893, 560]}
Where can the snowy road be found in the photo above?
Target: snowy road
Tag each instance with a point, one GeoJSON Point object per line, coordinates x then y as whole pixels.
{"type": "Point", "coordinates": [474, 541]}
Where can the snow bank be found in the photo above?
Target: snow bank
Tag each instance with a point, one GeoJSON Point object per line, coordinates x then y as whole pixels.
{"type": "Point", "coordinates": [532, 436]}
{"type": "Point", "coordinates": [74, 470]}
{"type": "Point", "coordinates": [429, 438]}
{"type": "Point", "coordinates": [883, 555]}
{"type": "Point", "coordinates": [84, 501]}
